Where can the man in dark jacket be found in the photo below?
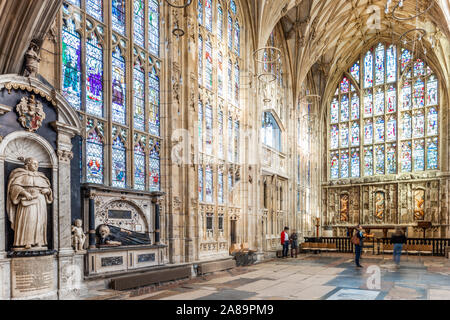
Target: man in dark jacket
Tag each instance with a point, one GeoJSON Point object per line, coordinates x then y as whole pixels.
{"type": "Point", "coordinates": [398, 239]}
{"type": "Point", "coordinates": [358, 247]}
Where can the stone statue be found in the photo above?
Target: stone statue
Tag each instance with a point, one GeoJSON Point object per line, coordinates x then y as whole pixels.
{"type": "Point", "coordinates": [32, 61]}
{"type": "Point", "coordinates": [28, 193]}
{"type": "Point", "coordinates": [111, 236]}
{"type": "Point", "coordinates": [78, 236]}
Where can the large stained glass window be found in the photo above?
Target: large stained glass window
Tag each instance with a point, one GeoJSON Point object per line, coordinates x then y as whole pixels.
{"type": "Point", "coordinates": [399, 126]}
{"type": "Point", "coordinates": [128, 39]}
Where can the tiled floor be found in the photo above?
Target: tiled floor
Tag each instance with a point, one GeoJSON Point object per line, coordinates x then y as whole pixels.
{"type": "Point", "coordinates": [326, 276]}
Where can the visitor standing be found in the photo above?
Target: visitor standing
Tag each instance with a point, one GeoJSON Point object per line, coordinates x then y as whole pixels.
{"type": "Point", "coordinates": [357, 240]}
{"type": "Point", "coordinates": [285, 241]}
{"type": "Point", "coordinates": [398, 239]}
{"type": "Point", "coordinates": [294, 243]}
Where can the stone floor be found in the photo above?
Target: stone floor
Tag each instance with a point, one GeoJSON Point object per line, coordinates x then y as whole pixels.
{"type": "Point", "coordinates": [326, 276]}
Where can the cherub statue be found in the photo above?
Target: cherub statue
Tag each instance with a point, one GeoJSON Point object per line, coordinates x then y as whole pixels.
{"type": "Point", "coordinates": [78, 236]}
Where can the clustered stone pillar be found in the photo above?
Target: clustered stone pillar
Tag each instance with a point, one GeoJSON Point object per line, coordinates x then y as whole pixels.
{"type": "Point", "coordinates": [91, 222]}
{"type": "Point", "coordinates": [155, 197]}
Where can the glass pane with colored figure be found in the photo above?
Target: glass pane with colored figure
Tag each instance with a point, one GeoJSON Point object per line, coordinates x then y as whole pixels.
{"type": "Point", "coordinates": [379, 129]}
{"type": "Point", "coordinates": [94, 158]}
{"type": "Point", "coordinates": [391, 156]}
{"type": "Point", "coordinates": [237, 38]}
{"type": "Point", "coordinates": [153, 27]}
{"type": "Point", "coordinates": [419, 155]}
{"type": "Point", "coordinates": [391, 128]}
{"type": "Point", "coordinates": [379, 159]}
{"type": "Point", "coordinates": [391, 64]}
{"type": "Point", "coordinates": [432, 89]}
{"type": "Point", "coordinates": [94, 77]}
{"type": "Point", "coordinates": [139, 167]}
{"type": "Point", "coordinates": [432, 154]}
{"type": "Point", "coordinates": [71, 64]}
{"type": "Point", "coordinates": [208, 65]}
{"type": "Point", "coordinates": [219, 22]}
{"type": "Point", "coordinates": [379, 102]}
{"type": "Point", "coordinates": [220, 74]}
{"type": "Point", "coordinates": [154, 94]}
{"type": "Point", "coordinates": [200, 183]}
{"type": "Point", "coordinates": [139, 96]}
{"type": "Point", "coordinates": [432, 122]}
{"type": "Point", "coordinates": [345, 85]}
{"type": "Point", "coordinates": [118, 87]}
{"type": "Point", "coordinates": [406, 125]}
{"type": "Point", "coordinates": [344, 108]}
{"type": "Point", "coordinates": [118, 163]}
{"type": "Point", "coordinates": [334, 137]}
{"type": "Point", "coordinates": [379, 64]}
{"type": "Point", "coordinates": [368, 103]}
{"type": "Point", "coordinates": [419, 94]}
{"type": "Point", "coordinates": [355, 107]}
{"type": "Point", "coordinates": [391, 99]}
{"type": "Point", "coordinates": [355, 163]}
{"type": "Point", "coordinates": [236, 84]}
{"type": "Point", "coordinates": [368, 70]}
{"type": "Point", "coordinates": [200, 12]}
{"type": "Point", "coordinates": [139, 22]}
{"type": "Point", "coordinates": [406, 156]}
{"type": "Point", "coordinates": [209, 130]}
{"type": "Point", "coordinates": [334, 165]}
{"type": "Point", "coordinates": [95, 9]}
{"type": "Point", "coordinates": [406, 96]}
{"type": "Point", "coordinates": [233, 7]}
{"type": "Point", "coordinates": [419, 68]}
{"type": "Point", "coordinates": [334, 111]}
{"type": "Point", "coordinates": [344, 164]}
{"type": "Point", "coordinates": [220, 134]}
{"type": "Point", "coordinates": [368, 161]}
{"type": "Point", "coordinates": [200, 60]}
{"type": "Point", "coordinates": [418, 124]}
{"type": "Point", "coordinates": [405, 59]}
{"type": "Point", "coordinates": [209, 184]}
{"type": "Point", "coordinates": [368, 131]}
{"type": "Point", "coordinates": [118, 16]}
{"type": "Point", "coordinates": [354, 71]}
{"type": "Point", "coordinates": [230, 32]}
{"type": "Point", "coordinates": [344, 135]}
{"type": "Point", "coordinates": [355, 134]}
{"type": "Point", "coordinates": [208, 15]}
{"type": "Point", "coordinates": [220, 197]}
{"type": "Point", "coordinates": [155, 168]}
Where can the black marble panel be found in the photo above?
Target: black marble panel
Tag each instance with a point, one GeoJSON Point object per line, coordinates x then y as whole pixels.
{"type": "Point", "coordinates": [119, 214]}
{"type": "Point", "coordinates": [148, 257]}
{"type": "Point", "coordinates": [112, 261]}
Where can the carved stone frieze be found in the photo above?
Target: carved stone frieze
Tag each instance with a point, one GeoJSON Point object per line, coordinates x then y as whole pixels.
{"type": "Point", "coordinates": [65, 155]}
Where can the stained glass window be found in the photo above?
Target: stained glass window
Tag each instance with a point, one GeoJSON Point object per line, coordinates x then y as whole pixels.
{"type": "Point", "coordinates": [208, 65]}
{"type": "Point", "coordinates": [94, 154]}
{"type": "Point", "coordinates": [230, 32]}
{"type": "Point", "coordinates": [200, 60]}
{"type": "Point", "coordinates": [118, 87]}
{"type": "Point", "coordinates": [118, 163]}
{"type": "Point", "coordinates": [153, 28]}
{"type": "Point", "coordinates": [208, 15]}
{"type": "Point", "coordinates": [236, 141]}
{"type": "Point", "coordinates": [432, 154]}
{"type": "Point", "coordinates": [368, 70]}
{"type": "Point", "coordinates": [220, 134]}
{"type": "Point", "coordinates": [237, 38]}
{"type": "Point", "coordinates": [154, 103]}
{"type": "Point", "coordinates": [200, 183]}
{"type": "Point", "coordinates": [155, 167]}
{"type": "Point", "coordinates": [220, 198]}
{"type": "Point", "coordinates": [71, 64]}
{"type": "Point", "coordinates": [139, 166]}
{"type": "Point", "coordinates": [139, 96]}
{"type": "Point", "coordinates": [142, 107]}
{"type": "Point", "coordinates": [209, 130]}
{"type": "Point", "coordinates": [385, 136]}
{"type": "Point", "coordinates": [118, 16]}
{"type": "Point", "coordinates": [95, 9]}
{"type": "Point", "coordinates": [138, 23]}
{"type": "Point", "coordinates": [379, 64]}
{"type": "Point", "coordinates": [344, 164]}
{"type": "Point", "coordinates": [219, 22]}
{"type": "Point", "coordinates": [355, 163]}
{"type": "Point", "coordinates": [200, 126]}
{"type": "Point", "coordinates": [209, 184]}
{"type": "Point", "coordinates": [220, 74]}
{"type": "Point", "coordinates": [230, 79]}
{"type": "Point", "coordinates": [230, 139]}
{"type": "Point", "coordinates": [200, 12]}
{"type": "Point", "coordinates": [236, 83]}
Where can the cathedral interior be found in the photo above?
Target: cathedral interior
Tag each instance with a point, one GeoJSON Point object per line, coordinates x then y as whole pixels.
{"type": "Point", "coordinates": [163, 136]}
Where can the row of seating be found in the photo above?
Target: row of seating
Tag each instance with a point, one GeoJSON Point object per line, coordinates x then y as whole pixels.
{"type": "Point", "coordinates": [317, 246]}
{"type": "Point", "coordinates": [409, 248]}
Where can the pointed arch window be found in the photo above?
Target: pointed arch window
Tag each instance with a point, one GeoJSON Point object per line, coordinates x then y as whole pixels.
{"type": "Point", "coordinates": [118, 87]}
{"type": "Point", "coordinates": [119, 162]}
{"type": "Point", "coordinates": [139, 22]}
{"type": "Point", "coordinates": [400, 116]}
{"type": "Point", "coordinates": [118, 16]}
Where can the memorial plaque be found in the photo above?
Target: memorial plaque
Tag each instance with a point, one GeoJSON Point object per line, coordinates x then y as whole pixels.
{"type": "Point", "coordinates": [119, 214]}
{"type": "Point", "coordinates": [146, 257]}
{"type": "Point", "coordinates": [31, 276]}
{"type": "Point", "coordinates": [112, 261]}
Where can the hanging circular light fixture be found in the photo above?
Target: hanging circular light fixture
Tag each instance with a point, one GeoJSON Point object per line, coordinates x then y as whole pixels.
{"type": "Point", "coordinates": [266, 56]}
{"type": "Point", "coordinates": [185, 4]}
{"type": "Point", "coordinates": [400, 5]}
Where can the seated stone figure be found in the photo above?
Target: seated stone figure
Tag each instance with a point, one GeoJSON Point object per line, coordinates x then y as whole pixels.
{"type": "Point", "coordinates": [111, 236]}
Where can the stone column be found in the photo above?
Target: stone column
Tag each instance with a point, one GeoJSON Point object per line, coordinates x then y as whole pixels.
{"type": "Point", "coordinates": [91, 221]}
{"type": "Point", "coordinates": [155, 197]}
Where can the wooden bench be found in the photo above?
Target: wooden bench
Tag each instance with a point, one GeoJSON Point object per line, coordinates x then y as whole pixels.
{"type": "Point", "coordinates": [317, 246]}
{"type": "Point", "coordinates": [410, 248]}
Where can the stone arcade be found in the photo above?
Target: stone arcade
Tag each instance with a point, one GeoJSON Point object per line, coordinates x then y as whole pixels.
{"type": "Point", "coordinates": [142, 141]}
